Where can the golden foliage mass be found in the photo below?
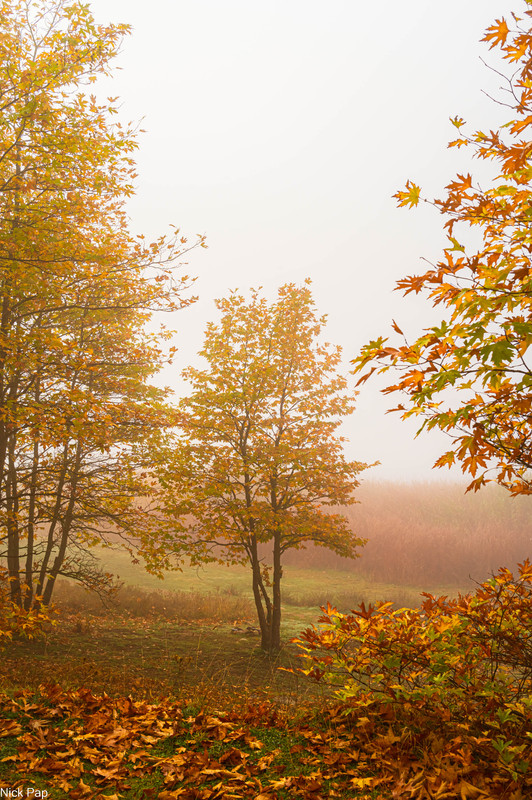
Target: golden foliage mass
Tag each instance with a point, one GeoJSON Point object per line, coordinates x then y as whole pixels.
{"type": "Point", "coordinates": [76, 291]}
{"type": "Point", "coordinates": [258, 458]}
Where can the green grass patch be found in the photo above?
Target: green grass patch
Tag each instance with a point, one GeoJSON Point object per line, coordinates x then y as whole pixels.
{"type": "Point", "coordinates": [302, 588]}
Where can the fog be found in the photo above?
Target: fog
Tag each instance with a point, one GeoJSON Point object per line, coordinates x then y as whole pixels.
{"type": "Point", "coordinates": [281, 131]}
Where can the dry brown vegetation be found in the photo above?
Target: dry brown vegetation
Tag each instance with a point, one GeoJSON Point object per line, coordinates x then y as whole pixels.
{"type": "Point", "coordinates": [431, 533]}
{"type": "Point", "coordinates": [133, 601]}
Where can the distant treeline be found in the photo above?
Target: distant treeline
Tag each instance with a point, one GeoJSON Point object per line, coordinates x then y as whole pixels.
{"type": "Point", "coordinates": [431, 532]}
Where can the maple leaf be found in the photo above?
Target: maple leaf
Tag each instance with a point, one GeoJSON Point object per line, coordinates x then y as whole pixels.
{"type": "Point", "coordinates": [497, 33]}
{"type": "Point", "coordinates": [409, 197]}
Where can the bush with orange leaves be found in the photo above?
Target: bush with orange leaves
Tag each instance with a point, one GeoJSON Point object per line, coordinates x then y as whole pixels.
{"type": "Point", "coordinates": [460, 666]}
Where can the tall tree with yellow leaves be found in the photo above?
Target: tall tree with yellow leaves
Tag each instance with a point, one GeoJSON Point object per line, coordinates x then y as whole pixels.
{"type": "Point", "coordinates": [76, 291]}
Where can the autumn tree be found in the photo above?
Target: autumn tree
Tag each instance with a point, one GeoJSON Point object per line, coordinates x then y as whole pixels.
{"type": "Point", "coordinates": [470, 375]}
{"type": "Point", "coordinates": [76, 291]}
{"type": "Point", "coordinates": [258, 459]}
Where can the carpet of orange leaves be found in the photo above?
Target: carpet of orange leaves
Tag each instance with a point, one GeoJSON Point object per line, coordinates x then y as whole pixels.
{"type": "Point", "coordinates": [87, 747]}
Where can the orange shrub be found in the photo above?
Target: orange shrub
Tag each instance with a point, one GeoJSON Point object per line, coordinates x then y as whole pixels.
{"type": "Point", "coordinates": [16, 621]}
{"type": "Point", "coordinates": [461, 667]}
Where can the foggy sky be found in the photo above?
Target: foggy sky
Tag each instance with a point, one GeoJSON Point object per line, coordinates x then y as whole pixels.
{"type": "Point", "coordinates": [281, 130]}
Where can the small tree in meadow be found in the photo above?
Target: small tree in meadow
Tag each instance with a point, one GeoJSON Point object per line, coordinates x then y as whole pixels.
{"type": "Point", "coordinates": [259, 458]}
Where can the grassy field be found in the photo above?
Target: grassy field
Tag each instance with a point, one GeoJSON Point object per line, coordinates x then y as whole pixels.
{"type": "Point", "coordinates": [182, 646]}
{"type": "Point", "coordinates": [304, 589]}
{"type": "Point", "coordinates": [164, 693]}
{"type": "Point", "coordinates": [186, 636]}
{"type": "Point", "coordinates": [198, 663]}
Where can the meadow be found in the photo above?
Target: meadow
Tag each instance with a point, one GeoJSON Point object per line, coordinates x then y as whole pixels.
{"type": "Point", "coordinates": [187, 633]}
{"type": "Point", "coordinates": [183, 649]}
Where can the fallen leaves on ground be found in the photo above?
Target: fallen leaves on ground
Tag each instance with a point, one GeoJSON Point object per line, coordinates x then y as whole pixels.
{"type": "Point", "coordinates": [86, 747]}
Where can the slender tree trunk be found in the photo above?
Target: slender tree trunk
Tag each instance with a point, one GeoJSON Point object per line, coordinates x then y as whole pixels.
{"type": "Point", "coordinates": [268, 609]}
{"type": "Point", "coordinates": [263, 604]}
{"type": "Point", "coordinates": [275, 636]}
{"type": "Point", "coordinates": [6, 436]}
{"type": "Point", "coordinates": [13, 530]}
{"type": "Point", "coordinates": [66, 525]}
{"type": "Point", "coordinates": [275, 643]}
{"type": "Point", "coordinates": [5, 319]}
{"type": "Point", "coordinates": [28, 595]}
{"type": "Point", "coordinates": [32, 503]}
{"type": "Point", "coordinates": [8, 399]}
{"type": "Point", "coordinates": [54, 522]}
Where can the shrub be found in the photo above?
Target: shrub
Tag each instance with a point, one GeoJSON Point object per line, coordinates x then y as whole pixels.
{"type": "Point", "coordinates": [17, 621]}
{"type": "Point", "coordinates": [461, 666]}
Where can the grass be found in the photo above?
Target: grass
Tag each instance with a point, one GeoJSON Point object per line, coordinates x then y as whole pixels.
{"type": "Point", "coordinates": [133, 601]}
{"type": "Point", "coordinates": [181, 641]}
{"type": "Point", "coordinates": [304, 588]}
{"type": "Point", "coordinates": [209, 715]}
{"type": "Point", "coordinates": [189, 640]}
{"type": "Point", "coordinates": [146, 653]}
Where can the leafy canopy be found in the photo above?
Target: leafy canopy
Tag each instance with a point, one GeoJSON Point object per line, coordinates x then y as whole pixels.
{"type": "Point", "coordinates": [76, 290]}
{"type": "Point", "coordinates": [258, 450]}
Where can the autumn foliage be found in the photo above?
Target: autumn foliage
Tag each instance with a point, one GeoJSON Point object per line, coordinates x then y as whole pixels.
{"type": "Point", "coordinates": [97, 744]}
{"type": "Point", "coordinates": [470, 374]}
{"type": "Point", "coordinates": [424, 712]}
{"type": "Point", "coordinates": [433, 702]}
{"type": "Point", "coordinates": [76, 290]}
{"type": "Point", "coordinates": [459, 670]}
{"type": "Point", "coordinates": [17, 621]}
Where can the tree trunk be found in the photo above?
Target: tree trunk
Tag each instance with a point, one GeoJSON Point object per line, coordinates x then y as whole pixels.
{"type": "Point", "coordinates": [275, 643]}
{"type": "Point", "coordinates": [12, 525]}
{"type": "Point", "coordinates": [32, 503]}
{"type": "Point", "coordinates": [56, 522]}
{"type": "Point", "coordinates": [67, 518]}
{"type": "Point", "coordinates": [268, 609]}
{"type": "Point", "coordinates": [262, 602]}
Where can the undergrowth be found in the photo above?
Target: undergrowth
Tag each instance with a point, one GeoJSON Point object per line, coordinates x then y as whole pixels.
{"type": "Point", "coordinates": [455, 670]}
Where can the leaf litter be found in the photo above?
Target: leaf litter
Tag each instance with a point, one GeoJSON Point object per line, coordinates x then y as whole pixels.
{"type": "Point", "coordinates": [87, 747]}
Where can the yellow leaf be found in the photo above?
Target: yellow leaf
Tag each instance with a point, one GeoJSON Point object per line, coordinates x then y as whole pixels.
{"type": "Point", "coordinates": [361, 783]}
{"type": "Point", "coordinates": [410, 197]}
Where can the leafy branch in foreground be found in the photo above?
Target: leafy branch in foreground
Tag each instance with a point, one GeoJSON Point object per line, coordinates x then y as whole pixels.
{"type": "Point", "coordinates": [470, 375]}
